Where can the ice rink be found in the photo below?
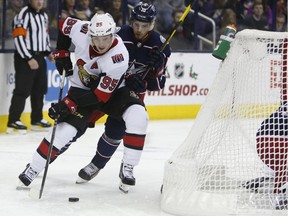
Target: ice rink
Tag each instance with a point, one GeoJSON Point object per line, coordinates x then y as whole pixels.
{"type": "Point", "coordinates": [99, 197]}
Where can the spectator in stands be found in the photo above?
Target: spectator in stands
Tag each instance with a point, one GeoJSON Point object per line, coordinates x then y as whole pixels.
{"type": "Point", "coordinates": [68, 8]}
{"type": "Point", "coordinates": [257, 19]}
{"type": "Point", "coordinates": [115, 10]}
{"type": "Point", "coordinates": [217, 12]}
{"type": "Point", "coordinates": [240, 7]}
{"type": "Point", "coordinates": [267, 11]}
{"type": "Point", "coordinates": [281, 24]}
{"type": "Point", "coordinates": [85, 9]}
{"type": "Point", "coordinates": [182, 39]}
{"type": "Point", "coordinates": [102, 4]}
{"type": "Point", "coordinates": [14, 7]}
{"type": "Point", "coordinates": [229, 17]}
{"type": "Point", "coordinates": [214, 10]}
{"type": "Point", "coordinates": [164, 12]}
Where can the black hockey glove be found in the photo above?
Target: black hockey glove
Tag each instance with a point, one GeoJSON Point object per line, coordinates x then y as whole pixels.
{"type": "Point", "coordinates": [136, 83]}
{"type": "Point", "coordinates": [62, 109]}
{"type": "Point", "coordinates": [63, 62]}
{"type": "Point", "coordinates": [155, 62]}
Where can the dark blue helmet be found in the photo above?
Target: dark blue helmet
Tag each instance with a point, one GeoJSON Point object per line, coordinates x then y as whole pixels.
{"type": "Point", "coordinates": [144, 12]}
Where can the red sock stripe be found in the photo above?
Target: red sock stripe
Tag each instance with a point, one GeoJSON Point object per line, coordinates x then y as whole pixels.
{"type": "Point", "coordinates": [134, 141]}
{"type": "Point", "coordinates": [43, 149]}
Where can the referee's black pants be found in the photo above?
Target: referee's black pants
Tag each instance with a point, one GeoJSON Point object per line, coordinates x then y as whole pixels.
{"type": "Point", "coordinates": [31, 83]}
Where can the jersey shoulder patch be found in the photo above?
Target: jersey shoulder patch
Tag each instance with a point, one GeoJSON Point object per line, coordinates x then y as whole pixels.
{"type": "Point", "coordinates": [117, 58]}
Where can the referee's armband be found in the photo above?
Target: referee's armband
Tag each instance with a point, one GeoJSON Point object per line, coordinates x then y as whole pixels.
{"type": "Point", "coordinates": [19, 31]}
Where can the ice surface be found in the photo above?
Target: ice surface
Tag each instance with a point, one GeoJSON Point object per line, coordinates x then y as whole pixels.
{"type": "Point", "coordinates": [101, 196]}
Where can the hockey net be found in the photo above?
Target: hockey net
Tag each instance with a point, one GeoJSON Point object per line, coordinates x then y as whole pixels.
{"type": "Point", "coordinates": [234, 161]}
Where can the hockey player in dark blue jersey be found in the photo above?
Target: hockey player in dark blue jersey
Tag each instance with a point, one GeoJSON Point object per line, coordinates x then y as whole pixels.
{"type": "Point", "coordinates": [143, 44]}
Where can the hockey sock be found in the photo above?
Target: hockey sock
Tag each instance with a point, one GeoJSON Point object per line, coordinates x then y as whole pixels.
{"type": "Point", "coordinates": [61, 151]}
{"type": "Point", "coordinates": [43, 149]}
{"type": "Point", "coordinates": [134, 141]}
{"type": "Point", "coordinates": [40, 156]}
{"type": "Point", "coordinates": [105, 149]}
{"type": "Point", "coordinates": [131, 156]}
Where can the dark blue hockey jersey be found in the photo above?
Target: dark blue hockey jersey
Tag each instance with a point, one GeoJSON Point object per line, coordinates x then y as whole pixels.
{"type": "Point", "coordinates": [139, 52]}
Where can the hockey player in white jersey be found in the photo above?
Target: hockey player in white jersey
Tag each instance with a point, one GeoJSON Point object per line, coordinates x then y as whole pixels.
{"type": "Point", "coordinates": [143, 45]}
{"type": "Point", "coordinates": [96, 84]}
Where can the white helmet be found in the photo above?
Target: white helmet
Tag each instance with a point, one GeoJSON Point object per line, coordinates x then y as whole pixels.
{"type": "Point", "coordinates": [102, 24]}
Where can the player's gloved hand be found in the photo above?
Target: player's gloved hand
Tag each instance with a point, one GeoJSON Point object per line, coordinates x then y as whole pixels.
{"type": "Point", "coordinates": [62, 109]}
{"type": "Point", "coordinates": [63, 62]}
{"type": "Point", "coordinates": [155, 62]}
{"type": "Point", "coordinates": [136, 83]}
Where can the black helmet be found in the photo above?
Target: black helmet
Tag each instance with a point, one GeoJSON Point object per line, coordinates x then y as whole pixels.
{"type": "Point", "coordinates": [143, 12]}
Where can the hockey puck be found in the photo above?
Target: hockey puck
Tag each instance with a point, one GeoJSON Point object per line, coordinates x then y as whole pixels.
{"type": "Point", "coordinates": [73, 199]}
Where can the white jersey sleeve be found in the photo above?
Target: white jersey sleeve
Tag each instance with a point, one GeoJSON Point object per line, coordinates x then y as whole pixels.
{"type": "Point", "coordinates": [75, 29]}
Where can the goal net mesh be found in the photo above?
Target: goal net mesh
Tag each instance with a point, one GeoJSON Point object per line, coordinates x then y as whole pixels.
{"type": "Point", "coordinates": [234, 160]}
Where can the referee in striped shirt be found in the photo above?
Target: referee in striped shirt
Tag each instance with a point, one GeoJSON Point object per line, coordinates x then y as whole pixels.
{"type": "Point", "coordinates": [31, 39]}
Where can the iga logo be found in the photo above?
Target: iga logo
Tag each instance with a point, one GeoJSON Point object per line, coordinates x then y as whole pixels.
{"type": "Point", "coordinates": [54, 79]}
{"type": "Point", "coordinates": [117, 58]}
{"type": "Point", "coordinates": [10, 78]}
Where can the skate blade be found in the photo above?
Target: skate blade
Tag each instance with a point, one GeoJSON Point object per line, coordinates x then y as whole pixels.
{"type": "Point", "coordinates": [81, 181]}
{"type": "Point", "coordinates": [15, 131]}
{"type": "Point", "coordinates": [124, 188]}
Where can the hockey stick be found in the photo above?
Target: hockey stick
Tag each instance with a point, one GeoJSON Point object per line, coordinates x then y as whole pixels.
{"type": "Point", "coordinates": [52, 136]}
{"type": "Point", "coordinates": [173, 31]}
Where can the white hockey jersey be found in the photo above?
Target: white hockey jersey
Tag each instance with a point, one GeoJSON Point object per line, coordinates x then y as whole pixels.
{"type": "Point", "coordinates": [89, 63]}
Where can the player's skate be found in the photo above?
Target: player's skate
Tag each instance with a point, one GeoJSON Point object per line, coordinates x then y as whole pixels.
{"type": "Point", "coordinates": [260, 185]}
{"type": "Point", "coordinates": [27, 176]}
{"type": "Point", "coordinates": [43, 125]}
{"type": "Point", "coordinates": [87, 173]}
{"type": "Point", "coordinates": [16, 127]}
{"type": "Point", "coordinates": [126, 176]}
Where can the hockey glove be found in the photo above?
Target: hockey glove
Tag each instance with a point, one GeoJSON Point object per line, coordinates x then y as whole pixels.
{"type": "Point", "coordinates": [62, 109]}
{"type": "Point", "coordinates": [136, 83]}
{"type": "Point", "coordinates": [155, 62]}
{"type": "Point", "coordinates": [63, 62]}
